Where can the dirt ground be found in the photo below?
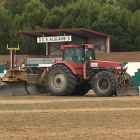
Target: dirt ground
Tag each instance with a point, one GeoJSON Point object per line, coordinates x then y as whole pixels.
{"type": "Point", "coordinates": [45, 117]}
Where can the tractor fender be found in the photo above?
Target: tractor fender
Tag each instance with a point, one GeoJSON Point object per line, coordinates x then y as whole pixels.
{"type": "Point", "coordinates": [71, 65]}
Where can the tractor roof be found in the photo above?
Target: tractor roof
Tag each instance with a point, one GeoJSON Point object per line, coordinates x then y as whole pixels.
{"type": "Point", "coordinates": [87, 46]}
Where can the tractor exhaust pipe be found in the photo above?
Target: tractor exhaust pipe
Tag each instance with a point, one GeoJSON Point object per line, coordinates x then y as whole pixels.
{"type": "Point", "coordinates": [84, 72]}
{"type": "Point", "coordinates": [84, 64]}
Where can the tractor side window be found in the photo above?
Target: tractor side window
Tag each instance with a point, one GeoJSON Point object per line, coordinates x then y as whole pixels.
{"type": "Point", "coordinates": [68, 53]}
{"type": "Point", "coordinates": [89, 54]}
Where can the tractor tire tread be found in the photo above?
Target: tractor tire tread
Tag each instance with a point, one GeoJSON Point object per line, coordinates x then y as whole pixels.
{"type": "Point", "coordinates": [71, 80]}
{"type": "Point", "coordinates": [113, 86]}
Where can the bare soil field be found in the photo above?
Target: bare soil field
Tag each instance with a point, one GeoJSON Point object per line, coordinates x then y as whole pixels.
{"type": "Point", "coordinates": [45, 117]}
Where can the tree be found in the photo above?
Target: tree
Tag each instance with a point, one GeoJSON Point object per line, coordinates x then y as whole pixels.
{"type": "Point", "coordinates": [124, 18]}
{"type": "Point", "coordinates": [33, 15]}
{"type": "Point", "coordinates": [49, 4]}
{"type": "Point", "coordinates": [134, 24]}
{"type": "Point", "coordinates": [132, 5]}
{"type": "Point", "coordinates": [5, 25]}
{"type": "Point", "coordinates": [54, 18]}
{"type": "Point", "coordinates": [107, 19]}
{"type": "Point", "coordinates": [120, 20]}
{"type": "Point", "coordinates": [15, 6]}
{"type": "Point", "coordinates": [111, 20]}
{"type": "Point", "coordinates": [137, 43]}
{"type": "Point", "coordinates": [31, 19]}
{"type": "Point", "coordinates": [81, 14]}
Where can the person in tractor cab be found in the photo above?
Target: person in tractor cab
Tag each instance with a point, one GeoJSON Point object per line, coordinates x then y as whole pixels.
{"type": "Point", "coordinates": [88, 54]}
{"type": "Point", "coordinates": [90, 58]}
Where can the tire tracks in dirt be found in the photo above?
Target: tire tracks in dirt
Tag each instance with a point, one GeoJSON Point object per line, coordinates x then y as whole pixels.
{"type": "Point", "coordinates": [68, 110]}
{"type": "Point", "coordinates": [66, 100]}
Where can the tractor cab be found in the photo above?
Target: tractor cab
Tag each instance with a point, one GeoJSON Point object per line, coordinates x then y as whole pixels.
{"type": "Point", "coordinates": [77, 53]}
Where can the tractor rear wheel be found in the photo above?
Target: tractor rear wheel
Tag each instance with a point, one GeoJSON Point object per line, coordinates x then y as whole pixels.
{"type": "Point", "coordinates": [59, 80]}
{"type": "Point", "coordinates": [104, 84]}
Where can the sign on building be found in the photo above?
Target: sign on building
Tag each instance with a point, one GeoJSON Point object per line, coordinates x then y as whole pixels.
{"type": "Point", "coordinates": [54, 39]}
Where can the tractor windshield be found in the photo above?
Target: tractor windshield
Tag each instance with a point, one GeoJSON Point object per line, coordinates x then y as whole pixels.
{"type": "Point", "coordinates": [89, 54]}
{"type": "Point", "coordinates": [74, 54]}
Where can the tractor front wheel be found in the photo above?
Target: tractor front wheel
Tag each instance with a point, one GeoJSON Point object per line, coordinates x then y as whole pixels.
{"type": "Point", "coordinates": [59, 80]}
{"type": "Point", "coordinates": [104, 84]}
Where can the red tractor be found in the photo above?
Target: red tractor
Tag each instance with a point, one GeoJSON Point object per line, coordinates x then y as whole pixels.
{"type": "Point", "coordinates": [79, 71]}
